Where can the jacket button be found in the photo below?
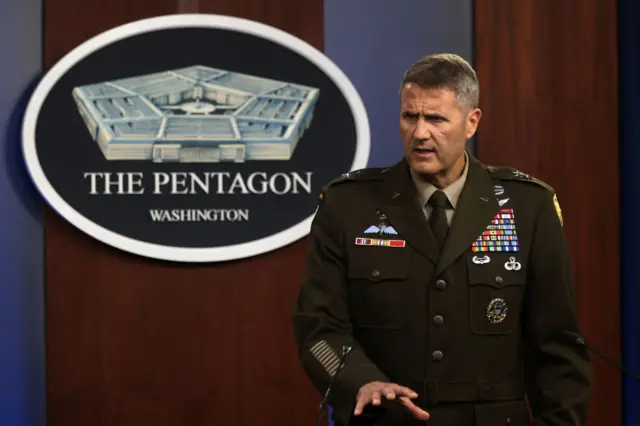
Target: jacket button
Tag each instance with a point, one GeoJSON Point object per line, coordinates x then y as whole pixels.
{"type": "Point", "coordinates": [499, 279]}
{"type": "Point", "coordinates": [437, 355]}
{"type": "Point", "coordinates": [441, 284]}
{"type": "Point", "coordinates": [375, 273]}
{"type": "Point", "coordinates": [438, 320]}
{"type": "Point", "coordinates": [508, 420]}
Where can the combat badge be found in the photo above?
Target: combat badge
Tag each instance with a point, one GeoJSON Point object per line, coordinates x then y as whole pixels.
{"type": "Point", "coordinates": [512, 264]}
{"type": "Point", "coordinates": [558, 210]}
{"type": "Point", "coordinates": [382, 229]}
{"type": "Point", "coordinates": [481, 260]}
{"type": "Point", "coordinates": [497, 311]}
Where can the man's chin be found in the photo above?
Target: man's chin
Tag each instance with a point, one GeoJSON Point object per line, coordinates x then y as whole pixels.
{"type": "Point", "coordinates": [423, 167]}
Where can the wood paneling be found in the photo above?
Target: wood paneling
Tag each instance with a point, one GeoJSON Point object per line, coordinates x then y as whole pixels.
{"type": "Point", "coordinates": [132, 341]}
{"type": "Point", "coordinates": [548, 75]}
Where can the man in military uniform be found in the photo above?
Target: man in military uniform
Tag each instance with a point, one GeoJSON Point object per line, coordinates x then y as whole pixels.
{"type": "Point", "coordinates": [445, 283]}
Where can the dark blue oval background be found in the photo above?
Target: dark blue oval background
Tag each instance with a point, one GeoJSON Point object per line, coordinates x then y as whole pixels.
{"type": "Point", "coordinates": [66, 150]}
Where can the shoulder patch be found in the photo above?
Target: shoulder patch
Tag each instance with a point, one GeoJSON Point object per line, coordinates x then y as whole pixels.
{"type": "Point", "coordinates": [558, 209]}
{"type": "Point", "coordinates": [511, 173]}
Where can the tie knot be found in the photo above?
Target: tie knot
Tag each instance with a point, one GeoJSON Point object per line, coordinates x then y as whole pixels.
{"type": "Point", "coordinates": [438, 199]}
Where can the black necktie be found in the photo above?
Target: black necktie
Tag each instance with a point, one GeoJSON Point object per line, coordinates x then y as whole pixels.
{"type": "Point", "coordinates": [438, 216]}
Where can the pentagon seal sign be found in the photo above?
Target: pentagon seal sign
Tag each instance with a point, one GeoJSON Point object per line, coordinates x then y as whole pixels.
{"type": "Point", "coordinates": [193, 138]}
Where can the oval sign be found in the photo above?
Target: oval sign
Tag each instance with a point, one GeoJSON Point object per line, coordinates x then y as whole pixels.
{"type": "Point", "coordinates": [193, 138]}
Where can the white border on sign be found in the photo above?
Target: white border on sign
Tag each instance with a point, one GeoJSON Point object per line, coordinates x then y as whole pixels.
{"type": "Point", "coordinates": [177, 254]}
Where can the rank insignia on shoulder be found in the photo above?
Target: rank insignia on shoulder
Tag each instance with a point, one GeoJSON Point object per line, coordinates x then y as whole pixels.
{"type": "Point", "coordinates": [519, 174]}
{"type": "Point", "coordinates": [510, 173]}
{"type": "Point", "coordinates": [355, 176]}
{"type": "Point", "coordinates": [558, 209]}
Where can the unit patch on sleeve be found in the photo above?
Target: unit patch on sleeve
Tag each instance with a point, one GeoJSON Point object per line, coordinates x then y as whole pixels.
{"type": "Point", "coordinates": [558, 210]}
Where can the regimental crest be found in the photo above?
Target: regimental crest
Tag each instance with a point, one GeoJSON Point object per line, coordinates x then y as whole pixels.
{"type": "Point", "coordinates": [497, 311]}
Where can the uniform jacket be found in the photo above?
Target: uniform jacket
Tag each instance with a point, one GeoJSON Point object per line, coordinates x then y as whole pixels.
{"type": "Point", "coordinates": [471, 330]}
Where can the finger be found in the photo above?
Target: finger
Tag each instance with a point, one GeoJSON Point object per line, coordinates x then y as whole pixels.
{"type": "Point", "coordinates": [388, 392]}
{"type": "Point", "coordinates": [415, 411]}
{"type": "Point", "coordinates": [375, 398]}
{"type": "Point", "coordinates": [363, 400]}
{"type": "Point", "coordinates": [404, 391]}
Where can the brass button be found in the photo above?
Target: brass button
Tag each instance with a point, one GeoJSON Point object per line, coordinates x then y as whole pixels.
{"type": "Point", "coordinates": [441, 284]}
{"type": "Point", "coordinates": [375, 273]}
{"type": "Point", "coordinates": [438, 320]}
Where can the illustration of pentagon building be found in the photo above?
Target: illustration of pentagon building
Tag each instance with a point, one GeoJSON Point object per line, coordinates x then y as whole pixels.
{"type": "Point", "coordinates": [196, 114]}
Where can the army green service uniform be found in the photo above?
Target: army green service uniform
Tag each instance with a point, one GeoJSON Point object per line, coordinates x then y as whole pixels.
{"type": "Point", "coordinates": [471, 329]}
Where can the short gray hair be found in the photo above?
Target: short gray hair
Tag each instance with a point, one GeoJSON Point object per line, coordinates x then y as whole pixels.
{"type": "Point", "coordinates": [446, 71]}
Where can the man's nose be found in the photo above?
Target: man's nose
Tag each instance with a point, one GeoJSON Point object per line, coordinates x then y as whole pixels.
{"type": "Point", "coordinates": [422, 131]}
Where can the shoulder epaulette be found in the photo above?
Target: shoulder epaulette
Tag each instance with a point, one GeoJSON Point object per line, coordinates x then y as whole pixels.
{"type": "Point", "coordinates": [511, 173]}
{"type": "Point", "coordinates": [356, 176]}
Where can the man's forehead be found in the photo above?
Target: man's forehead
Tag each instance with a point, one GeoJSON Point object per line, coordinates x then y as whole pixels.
{"type": "Point", "coordinates": [418, 97]}
{"type": "Point", "coordinates": [414, 91]}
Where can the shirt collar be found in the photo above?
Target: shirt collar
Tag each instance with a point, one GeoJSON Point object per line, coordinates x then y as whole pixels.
{"type": "Point", "coordinates": [426, 189]}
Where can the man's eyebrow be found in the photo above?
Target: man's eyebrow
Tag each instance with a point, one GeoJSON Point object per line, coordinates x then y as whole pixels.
{"type": "Point", "coordinates": [429, 116]}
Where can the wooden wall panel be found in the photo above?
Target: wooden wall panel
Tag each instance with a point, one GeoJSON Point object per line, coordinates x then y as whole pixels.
{"type": "Point", "coordinates": [548, 75]}
{"type": "Point", "coordinates": [132, 341]}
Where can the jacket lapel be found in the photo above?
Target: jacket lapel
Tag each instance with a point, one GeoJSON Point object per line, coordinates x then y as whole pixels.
{"type": "Point", "coordinates": [476, 208]}
{"type": "Point", "coordinates": [399, 202]}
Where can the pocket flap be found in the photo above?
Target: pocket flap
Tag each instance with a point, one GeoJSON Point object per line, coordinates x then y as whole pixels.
{"type": "Point", "coordinates": [498, 270]}
{"type": "Point", "coordinates": [376, 266]}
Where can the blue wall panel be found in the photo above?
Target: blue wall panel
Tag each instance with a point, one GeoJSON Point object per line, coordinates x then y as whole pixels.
{"type": "Point", "coordinates": [629, 12]}
{"type": "Point", "coordinates": [375, 41]}
{"type": "Point", "coordinates": [22, 387]}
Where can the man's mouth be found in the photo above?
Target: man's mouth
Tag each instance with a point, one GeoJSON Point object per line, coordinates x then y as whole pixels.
{"type": "Point", "coordinates": [423, 150]}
